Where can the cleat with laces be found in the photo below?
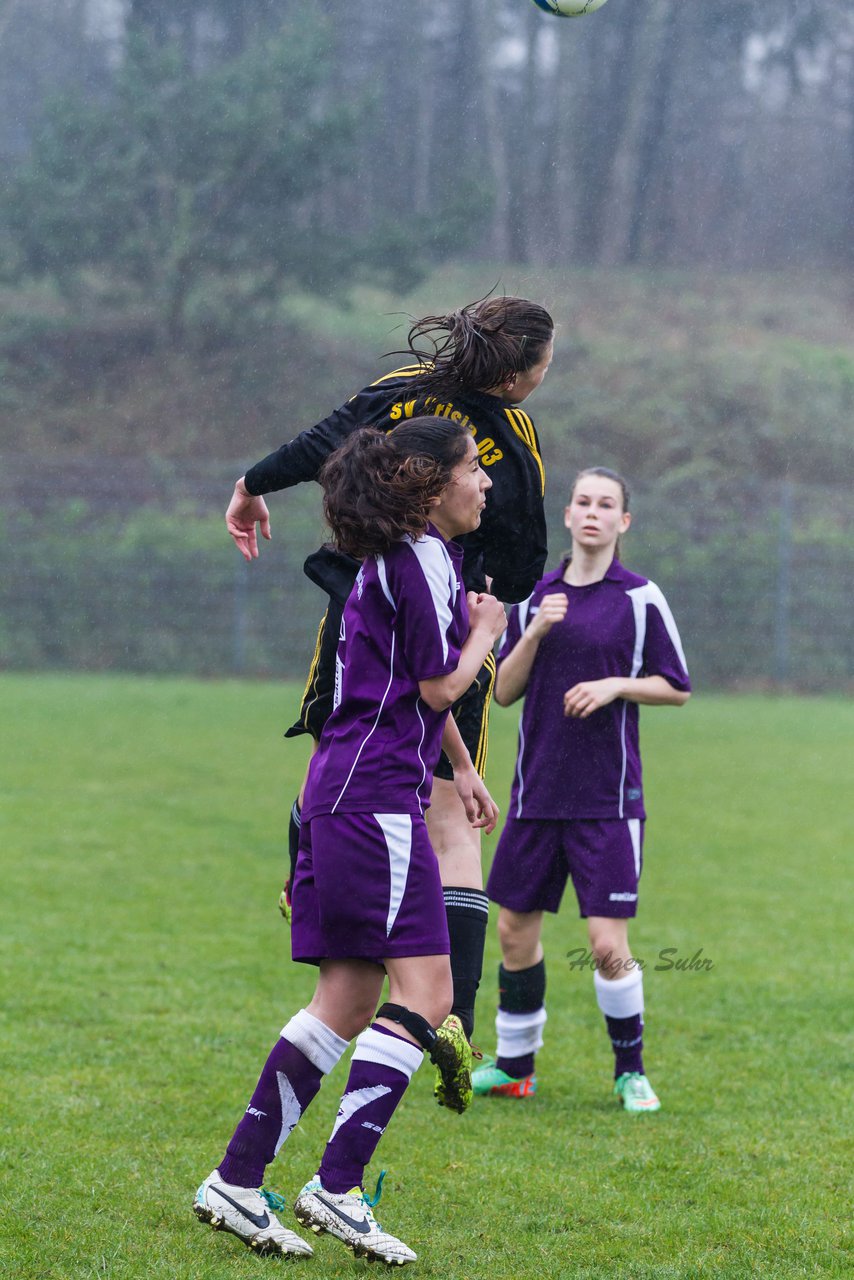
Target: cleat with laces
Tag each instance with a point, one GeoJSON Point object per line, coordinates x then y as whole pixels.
{"type": "Point", "coordinates": [349, 1217]}
{"type": "Point", "coordinates": [247, 1213]}
{"type": "Point", "coordinates": [285, 905]}
{"type": "Point", "coordinates": [452, 1057]}
{"type": "Point", "coordinates": [489, 1081]}
{"type": "Point", "coordinates": [635, 1092]}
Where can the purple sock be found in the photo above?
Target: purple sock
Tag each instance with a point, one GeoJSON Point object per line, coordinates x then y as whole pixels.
{"type": "Point", "coordinates": [517, 1067]}
{"type": "Point", "coordinates": [306, 1050]}
{"type": "Point", "coordinates": [380, 1070]}
{"type": "Point", "coordinates": [627, 1040]}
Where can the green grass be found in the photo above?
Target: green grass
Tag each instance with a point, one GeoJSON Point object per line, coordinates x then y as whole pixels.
{"type": "Point", "coordinates": [146, 975]}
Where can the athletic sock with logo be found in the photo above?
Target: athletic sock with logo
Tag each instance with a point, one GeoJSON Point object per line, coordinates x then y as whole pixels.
{"type": "Point", "coordinates": [621, 1001]}
{"type": "Point", "coordinates": [380, 1070]}
{"type": "Point", "coordinates": [520, 1019]}
{"type": "Point", "coordinates": [468, 916]}
{"type": "Point", "coordinates": [304, 1053]}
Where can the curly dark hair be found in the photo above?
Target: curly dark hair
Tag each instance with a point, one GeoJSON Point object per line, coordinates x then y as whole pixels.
{"type": "Point", "coordinates": [479, 346]}
{"type": "Point", "coordinates": [379, 487]}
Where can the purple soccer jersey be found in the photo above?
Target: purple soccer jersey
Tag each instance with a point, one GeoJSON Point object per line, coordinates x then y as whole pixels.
{"type": "Point", "coordinates": [405, 621]}
{"type": "Point", "coordinates": [570, 768]}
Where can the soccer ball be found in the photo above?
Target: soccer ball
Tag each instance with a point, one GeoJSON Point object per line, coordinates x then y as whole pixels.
{"type": "Point", "coordinates": [569, 8]}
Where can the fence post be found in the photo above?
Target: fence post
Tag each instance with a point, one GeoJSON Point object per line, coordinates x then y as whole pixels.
{"type": "Point", "coordinates": [782, 609]}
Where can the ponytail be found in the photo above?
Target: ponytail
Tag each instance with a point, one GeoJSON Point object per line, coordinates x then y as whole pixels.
{"type": "Point", "coordinates": [480, 346]}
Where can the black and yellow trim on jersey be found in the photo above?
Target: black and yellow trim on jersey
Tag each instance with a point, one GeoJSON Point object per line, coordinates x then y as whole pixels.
{"type": "Point", "coordinates": [479, 761]}
{"type": "Point", "coordinates": [524, 429]}
{"type": "Point", "coordinates": [311, 692]}
{"type": "Point", "coordinates": [408, 371]}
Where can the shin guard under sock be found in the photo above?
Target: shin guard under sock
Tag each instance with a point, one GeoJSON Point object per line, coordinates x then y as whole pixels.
{"type": "Point", "coordinates": [468, 916]}
{"type": "Point", "coordinates": [380, 1070]}
{"type": "Point", "coordinates": [306, 1050]}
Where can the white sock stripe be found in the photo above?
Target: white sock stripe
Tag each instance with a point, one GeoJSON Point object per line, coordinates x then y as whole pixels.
{"type": "Point", "coordinates": [473, 899]}
{"type": "Point", "coordinates": [388, 1051]}
{"type": "Point", "coordinates": [291, 1109]}
{"type": "Point", "coordinates": [519, 1033]}
{"type": "Point", "coordinates": [319, 1043]}
{"type": "Point", "coordinates": [353, 1102]}
{"type": "Point", "coordinates": [621, 998]}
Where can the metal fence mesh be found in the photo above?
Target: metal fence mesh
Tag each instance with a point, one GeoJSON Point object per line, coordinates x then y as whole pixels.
{"type": "Point", "coordinates": [113, 565]}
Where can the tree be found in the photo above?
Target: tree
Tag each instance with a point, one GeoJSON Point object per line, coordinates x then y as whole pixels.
{"type": "Point", "coordinates": [173, 181]}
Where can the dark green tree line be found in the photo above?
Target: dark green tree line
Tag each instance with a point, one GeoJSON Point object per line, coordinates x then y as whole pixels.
{"type": "Point", "coordinates": [227, 148]}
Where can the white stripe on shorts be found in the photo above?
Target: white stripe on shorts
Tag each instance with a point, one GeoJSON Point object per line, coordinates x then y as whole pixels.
{"type": "Point", "coordinates": [397, 830]}
{"type": "Point", "coordinates": [635, 833]}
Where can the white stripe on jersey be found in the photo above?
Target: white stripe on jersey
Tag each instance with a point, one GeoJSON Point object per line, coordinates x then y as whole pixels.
{"type": "Point", "coordinates": [624, 764]}
{"type": "Point", "coordinates": [418, 705]}
{"type": "Point", "coordinates": [397, 830]}
{"type": "Point", "coordinates": [438, 569]}
{"type": "Point", "coordinates": [641, 597]}
{"type": "Point", "coordinates": [519, 775]}
{"type": "Point", "coordinates": [652, 594]}
{"type": "Point", "coordinates": [372, 728]}
{"type": "Point", "coordinates": [383, 577]}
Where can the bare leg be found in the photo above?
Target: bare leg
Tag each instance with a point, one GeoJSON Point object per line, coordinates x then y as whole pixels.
{"type": "Point", "coordinates": [457, 846]}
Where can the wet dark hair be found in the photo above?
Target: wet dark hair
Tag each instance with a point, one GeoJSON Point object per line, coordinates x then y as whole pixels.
{"type": "Point", "coordinates": [480, 346]}
{"type": "Point", "coordinates": [378, 487]}
{"type": "Point", "coordinates": [608, 475]}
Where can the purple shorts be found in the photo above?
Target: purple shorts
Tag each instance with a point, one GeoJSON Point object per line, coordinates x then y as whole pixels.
{"type": "Point", "coordinates": [367, 887]}
{"type": "Point", "coordinates": [535, 857]}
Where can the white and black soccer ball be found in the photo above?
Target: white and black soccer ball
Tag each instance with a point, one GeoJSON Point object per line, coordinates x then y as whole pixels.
{"type": "Point", "coordinates": [569, 8]}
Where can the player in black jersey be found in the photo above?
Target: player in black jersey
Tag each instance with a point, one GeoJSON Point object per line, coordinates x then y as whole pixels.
{"type": "Point", "coordinates": [480, 363]}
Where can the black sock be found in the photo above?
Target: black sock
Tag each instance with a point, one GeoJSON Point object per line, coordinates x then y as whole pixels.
{"type": "Point", "coordinates": [468, 916]}
{"type": "Point", "coordinates": [293, 840]}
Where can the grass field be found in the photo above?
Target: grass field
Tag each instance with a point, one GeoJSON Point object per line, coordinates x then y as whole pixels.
{"type": "Point", "coordinates": [146, 974]}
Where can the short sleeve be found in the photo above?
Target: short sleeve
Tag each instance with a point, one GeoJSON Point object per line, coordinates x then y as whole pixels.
{"type": "Point", "coordinates": [431, 615]}
{"type": "Point", "coordinates": [662, 651]}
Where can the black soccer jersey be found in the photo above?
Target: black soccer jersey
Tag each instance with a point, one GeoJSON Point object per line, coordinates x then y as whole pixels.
{"type": "Point", "coordinates": [510, 544]}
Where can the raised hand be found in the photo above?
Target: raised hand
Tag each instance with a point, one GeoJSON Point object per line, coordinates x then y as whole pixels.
{"type": "Point", "coordinates": [244, 512]}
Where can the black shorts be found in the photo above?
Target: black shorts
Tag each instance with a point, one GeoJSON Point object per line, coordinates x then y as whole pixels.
{"type": "Point", "coordinates": [471, 711]}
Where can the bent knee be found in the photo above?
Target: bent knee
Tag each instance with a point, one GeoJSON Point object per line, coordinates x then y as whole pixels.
{"type": "Point", "coordinates": [517, 934]}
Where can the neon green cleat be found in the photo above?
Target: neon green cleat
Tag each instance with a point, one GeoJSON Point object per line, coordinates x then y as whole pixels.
{"type": "Point", "coordinates": [285, 902]}
{"type": "Point", "coordinates": [635, 1092]}
{"type": "Point", "coordinates": [452, 1057]}
{"type": "Point", "coordinates": [491, 1081]}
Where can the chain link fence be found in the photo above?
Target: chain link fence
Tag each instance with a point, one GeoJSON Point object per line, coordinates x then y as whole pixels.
{"type": "Point", "coordinates": [116, 565]}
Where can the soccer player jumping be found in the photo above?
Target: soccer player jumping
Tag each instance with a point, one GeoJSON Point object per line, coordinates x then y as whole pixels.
{"type": "Point", "coordinates": [368, 900]}
{"type": "Point", "coordinates": [592, 642]}
{"type": "Point", "coordinates": [474, 366]}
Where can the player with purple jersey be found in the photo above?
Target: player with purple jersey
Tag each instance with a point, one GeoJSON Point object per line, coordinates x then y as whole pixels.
{"type": "Point", "coordinates": [369, 902]}
{"type": "Point", "coordinates": [476, 366]}
{"type": "Point", "coordinates": [592, 643]}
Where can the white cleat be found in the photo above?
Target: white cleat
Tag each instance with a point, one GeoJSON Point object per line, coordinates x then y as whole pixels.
{"type": "Point", "coordinates": [246, 1213]}
{"type": "Point", "coordinates": [348, 1216]}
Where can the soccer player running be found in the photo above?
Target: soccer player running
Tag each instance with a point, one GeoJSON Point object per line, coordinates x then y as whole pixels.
{"type": "Point", "coordinates": [368, 899]}
{"type": "Point", "coordinates": [592, 642]}
{"type": "Point", "coordinates": [474, 367]}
